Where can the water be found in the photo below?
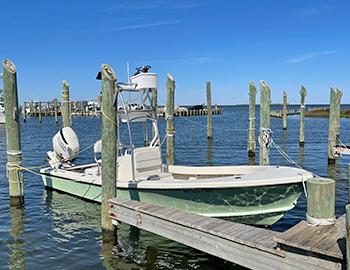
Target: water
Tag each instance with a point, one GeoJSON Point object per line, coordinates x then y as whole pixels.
{"type": "Point", "coordinates": [57, 231]}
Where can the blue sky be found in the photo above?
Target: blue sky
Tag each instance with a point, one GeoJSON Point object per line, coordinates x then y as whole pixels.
{"type": "Point", "coordinates": [285, 43]}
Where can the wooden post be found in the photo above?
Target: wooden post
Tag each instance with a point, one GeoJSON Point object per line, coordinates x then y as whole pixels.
{"type": "Point", "coordinates": [109, 150]}
{"type": "Point", "coordinates": [24, 112]}
{"type": "Point", "coordinates": [339, 95]}
{"type": "Point", "coordinates": [154, 107]}
{"type": "Point", "coordinates": [303, 94]}
{"type": "Point", "coordinates": [13, 136]}
{"type": "Point", "coordinates": [320, 201]}
{"type": "Point", "coordinates": [284, 111]}
{"type": "Point", "coordinates": [347, 236]}
{"type": "Point", "coordinates": [31, 108]}
{"type": "Point", "coordinates": [265, 101]}
{"type": "Point", "coordinates": [39, 111]}
{"type": "Point", "coordinates": [209, 122]}
{"type": "Point", "coordinates": [55, 110]}
{"type": "Point", "coordinates": [65, 105]}
{"type": "Point", "coordinates": [332, 124]}
{"type": "Point", "coordinates": [169, 115]}
{"type": "Point", "coordinates": [251, 130]}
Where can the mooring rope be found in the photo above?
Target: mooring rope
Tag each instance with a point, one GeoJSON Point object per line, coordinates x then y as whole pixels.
{"type": "Point", "coordinates": [312, 221]}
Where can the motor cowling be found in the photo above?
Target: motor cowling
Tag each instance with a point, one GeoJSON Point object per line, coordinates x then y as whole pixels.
{"type": "Point", "coordinates": [66, 144]}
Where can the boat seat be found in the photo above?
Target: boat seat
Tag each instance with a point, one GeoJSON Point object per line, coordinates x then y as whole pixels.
{"type": "Point", "coordinates": [148, 161]}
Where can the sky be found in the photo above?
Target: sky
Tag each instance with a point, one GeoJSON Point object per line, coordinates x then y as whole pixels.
{"type": "Point", "coordinates": [287, 43]}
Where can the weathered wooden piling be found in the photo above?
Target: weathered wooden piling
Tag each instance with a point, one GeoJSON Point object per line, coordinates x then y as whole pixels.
{"type": "Point", "coordinates": [265, 101]}
{"type": "Point", "coordinates": [13, 136]}
{"type": "Point", "coordinates": [154, 106]}
{"type": "Point", "coordinates": [284, 111]}
{"type": "Point", "coordinates": [65, 107]}
{"type": "Point", "coordinates": [251, 130]}
{"type": "Point", "coordinates": [31, 108]}
{"type": "Point", "coordinates": [109, 150]}
{"type": "Point", "coordinates": [24, 112]}
{"type": "Point", "coordinates": [320, 201]}
{"type": "Point", "coordinates": [39, 112]}
{"type": "Point", "coordinates": [303, 94]}
{"type": "Point", "coordinates": [337, 115]}
{"type": "Point", "coordinates": [335, 96]}
{"type": "Point", "coordinates": [209, 116]}
{"type": "Point", "coordinates": [55, 110]}
{"type": "Point", "coordinates": [169, 114]}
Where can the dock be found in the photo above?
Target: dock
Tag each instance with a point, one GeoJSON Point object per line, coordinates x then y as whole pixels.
{"type": "Point", "coordinates": [300, 247]}
{"type": "Point", "coordinates": [311, 112]}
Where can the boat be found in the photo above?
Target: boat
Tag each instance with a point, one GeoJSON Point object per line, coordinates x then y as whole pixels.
{"type": "Point", "coordinates": [342, 150]}
{"type": "Point", "coordinates": [258, 195]}
{"type": "Point", "coordinates": [2, 107]}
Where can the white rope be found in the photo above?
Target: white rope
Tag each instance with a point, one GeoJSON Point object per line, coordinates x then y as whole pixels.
{"type": "Point", "coordinates": [312, 221]}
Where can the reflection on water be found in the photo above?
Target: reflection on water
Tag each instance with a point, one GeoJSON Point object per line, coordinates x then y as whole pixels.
{"type": "Point", "coordinates": [59, 231]}
{"type": "Point", "coordinates": [17, 245]}
{"type": "Point", "coordinates": [210, 153]}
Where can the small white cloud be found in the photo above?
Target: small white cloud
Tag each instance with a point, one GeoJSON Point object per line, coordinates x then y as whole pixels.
{"type": "Point", "coordinates": [145, 25]}
{"type": "Point", "coordinates": [314, 10]}
{"type": "Point", "coordinates": [309, 56]}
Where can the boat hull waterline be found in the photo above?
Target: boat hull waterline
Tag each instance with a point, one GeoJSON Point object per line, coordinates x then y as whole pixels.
{"type": "Point", "coordinates": [263, 205]}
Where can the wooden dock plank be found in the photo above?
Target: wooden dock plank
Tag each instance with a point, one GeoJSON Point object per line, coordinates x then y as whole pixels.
{"type": "Point", "coordinates": [248, 246]}
{"type": "Point", "coordinates": [323, 240]}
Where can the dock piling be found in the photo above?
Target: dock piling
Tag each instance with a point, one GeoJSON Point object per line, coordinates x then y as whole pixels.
{"type": "Point", "coordinates": [65, 114]}
{"type": "Point", "coordinates": [337, 115]}
{"type": "Point", "coordinates": [39, 112]}
{"type": "Point", "coordinates": [303, 94]}
{"type": "Point", "coordinates": [265, 101]}
{"type": "Point", "coordinates": [55, 110]}
{"type": "Point", "coordinates": [109, 150]}
{"type": "Point", "coordinates": [320, 201]}
{"type": "Point", "coordinates": [209, 116]}
{"type": "Point", "coordinates": [251, 130]}
{"type": "Point", "coordinates": [334, 111]}
{"type": "Point", "coordinates": [169, 115]}
{"type": "Point", "coordinates": [284, 111]}
{"type": "Point", "coordinates": [24, 112]}
{"type": "Point", "coordinates": [13, 136]}
{"type": "Point", "coordinates": [154, 106]}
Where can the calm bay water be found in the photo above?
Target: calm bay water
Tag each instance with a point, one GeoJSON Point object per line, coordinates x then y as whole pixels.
{"type": "Point", "coordinates": [57, 231]}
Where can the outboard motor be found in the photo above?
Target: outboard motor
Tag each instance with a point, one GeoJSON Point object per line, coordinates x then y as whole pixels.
{"type": "Point", "coordinates": [65, 147]}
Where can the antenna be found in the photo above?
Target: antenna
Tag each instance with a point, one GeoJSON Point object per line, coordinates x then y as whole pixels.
{"type": "Point", "coordinates": [128, 70]}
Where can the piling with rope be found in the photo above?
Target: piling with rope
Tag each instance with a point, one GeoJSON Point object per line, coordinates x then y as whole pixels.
{"type": "Point", "coordinates": [169, 115]}
{"type": "Point", "coordinates": [265, 101]}
{"type": "Point", "coordinates": [320, 201]}
{"type": "Point", "coordinates": [303, 94]}
{"type": "Point", "coordinates": [209, 115]}
{"type": "Point", "coordinates": [55, 106]}
{"type": "Point", "coordinates": [109, 150]}
{"type": "Point", "coordinates": [65, 105]}
{"type": "Point", "coordinates": [335, 96]}
{"type": "Point", "coordinates": [251, 130]}
{"type": "Point", "coordinates": [284, 111]}
{"type": "Point", "coordinates": [13, 136]}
